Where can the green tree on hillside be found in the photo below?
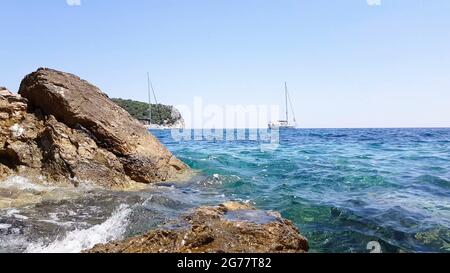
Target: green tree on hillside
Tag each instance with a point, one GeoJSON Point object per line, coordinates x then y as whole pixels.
{"type": "Point", "coordinates": [161, 114]}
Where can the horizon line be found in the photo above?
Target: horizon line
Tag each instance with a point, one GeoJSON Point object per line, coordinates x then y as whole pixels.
{"type": "Point", "coordinates": [305, 128]}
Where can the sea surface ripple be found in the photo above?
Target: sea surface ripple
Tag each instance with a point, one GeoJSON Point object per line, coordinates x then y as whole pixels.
{"type": "Point", "coordinates": [343, 188]}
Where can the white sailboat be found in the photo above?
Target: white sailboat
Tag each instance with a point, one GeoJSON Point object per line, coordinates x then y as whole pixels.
{"type": "Point", "coordinates": [285, 124]}
{"type": "Point", "coordinates": [149, 121]}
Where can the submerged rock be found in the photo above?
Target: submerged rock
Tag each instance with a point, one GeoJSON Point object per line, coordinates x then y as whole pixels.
{"type": "Point", "coordinates": [66, 130]}
{"type": "Point", "coordinates": [230, 228]}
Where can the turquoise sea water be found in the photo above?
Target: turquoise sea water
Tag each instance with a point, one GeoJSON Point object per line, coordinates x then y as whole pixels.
{"type": "Point", "coordinates": [343, 188]}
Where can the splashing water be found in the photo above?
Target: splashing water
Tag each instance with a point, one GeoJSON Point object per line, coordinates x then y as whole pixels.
{"type": "Point", "coordinates": [23, 184]}
{"type": "Point", "coordinates": [78, 240]}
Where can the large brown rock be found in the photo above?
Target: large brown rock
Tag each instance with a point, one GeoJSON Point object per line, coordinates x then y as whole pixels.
{"type": "Point", "coordinates": [38, 146]}
{"type": "Point", "coordinates": [229, 228]}
{"type": "Point", "coordinates": [67, 130]}
{"type": "Point", "coordinates": [18, 129]}
{"type": "Point", "coordinates": [80, 105]}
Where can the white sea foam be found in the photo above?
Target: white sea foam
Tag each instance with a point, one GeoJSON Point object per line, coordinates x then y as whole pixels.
{"type": "Point", "coordinates": [54, 219]}
{"type": "Point", "coordinates": [4, 226]}
{"type": "Point", "coordinates": [12, 212]}
{"type": "Point", "coordinates": [15, 213]}
{"type": "Point", "coordinates": [23, 184]}
{"type": "Point", "coordinates": [20, 217]}
{"type": "Point", "coordinates": [78, 240]}
{"type": "Point", "coordinates": [12, 243]}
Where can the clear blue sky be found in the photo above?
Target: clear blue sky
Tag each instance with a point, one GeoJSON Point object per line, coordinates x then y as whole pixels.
{"type": "Point", "coordinates": [348, 64]}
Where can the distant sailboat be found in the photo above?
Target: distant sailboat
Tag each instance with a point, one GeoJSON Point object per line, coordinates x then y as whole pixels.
{"type": "Point", "coordinates": [285, 124]}
{"type": "Point", "coordinates": [151, 91]}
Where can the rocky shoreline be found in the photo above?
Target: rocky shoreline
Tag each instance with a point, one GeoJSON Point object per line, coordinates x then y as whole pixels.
{"type": "Point", "coordinates": [62, 131]}
{"type": "Point", "coordinates": [231, 228]}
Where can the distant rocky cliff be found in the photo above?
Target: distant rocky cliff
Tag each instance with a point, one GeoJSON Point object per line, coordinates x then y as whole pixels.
{"type": "Point", "coordinates": [66, 130]}
{"type": "Point", "coordinates": [165, 116]}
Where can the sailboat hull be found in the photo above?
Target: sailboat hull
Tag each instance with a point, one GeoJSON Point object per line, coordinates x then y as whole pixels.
{"type": "Point", "coordinates": [281, 125]}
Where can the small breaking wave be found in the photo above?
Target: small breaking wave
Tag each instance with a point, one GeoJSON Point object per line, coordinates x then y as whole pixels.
{"type": "Point", "coordinates": [217, 179]}
{"type": "Point", "coordinates": [78, 240]}
{"type": "Point", "coordinates": [23, 184]}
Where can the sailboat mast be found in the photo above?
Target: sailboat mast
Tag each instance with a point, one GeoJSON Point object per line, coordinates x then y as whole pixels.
{"type": "Point", "coordinates": [153, 91]}
{"type": "Point", "coordinates": [286, 94]}
{"type": "Point", "coordinates": [149, 99]}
